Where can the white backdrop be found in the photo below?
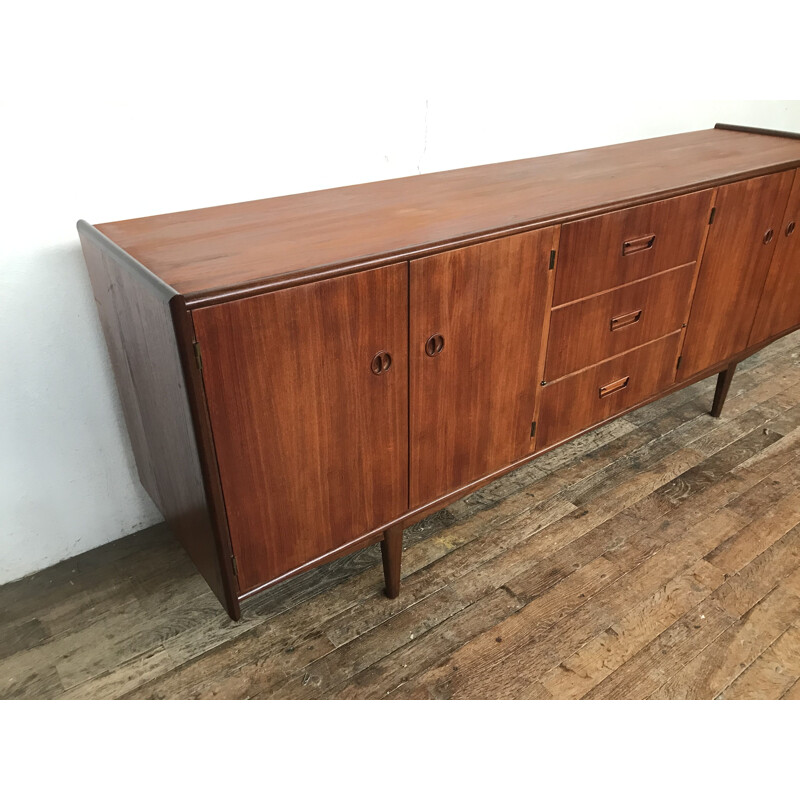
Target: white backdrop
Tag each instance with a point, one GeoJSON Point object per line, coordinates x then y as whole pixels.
{"type": "Point", "coordinates": [112, 111]}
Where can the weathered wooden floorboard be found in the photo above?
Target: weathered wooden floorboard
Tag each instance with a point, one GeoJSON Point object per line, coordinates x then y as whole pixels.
{"type": "Point", "coordinates": [773, 674]}
{"type": "Point", "coordinates": [547, 573]}
{"type": "Point", "coordinates": [719, 664]}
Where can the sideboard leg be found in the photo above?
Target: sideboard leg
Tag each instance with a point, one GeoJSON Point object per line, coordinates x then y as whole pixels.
{"type": "Point", "coordinates": [392, 552]}
{"type": "Point", "coordinates": [723, 384]}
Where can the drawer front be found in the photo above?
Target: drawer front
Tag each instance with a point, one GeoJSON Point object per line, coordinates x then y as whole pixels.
{"type": "Point", "coordinates": [592, 330]}
{"type": "Point", "coordinates": [613, 249]}
{"type": "Point", "coordinates": [574, 404]}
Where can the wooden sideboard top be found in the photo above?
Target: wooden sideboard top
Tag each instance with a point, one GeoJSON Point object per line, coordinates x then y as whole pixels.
{"type": "Point", "coordinates": [231, 251]}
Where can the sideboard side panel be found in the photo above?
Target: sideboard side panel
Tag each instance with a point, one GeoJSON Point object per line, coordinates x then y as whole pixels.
{"type": "Point", "coordinates": [136, 319]}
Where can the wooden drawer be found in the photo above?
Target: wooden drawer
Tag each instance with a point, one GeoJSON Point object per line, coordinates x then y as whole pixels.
{"type": "Point", "coordinates": [613, 249]}
{"type": "Point", "coordinates": [579, 401]}
{"type": "Point", "coordinates": [592, 330]}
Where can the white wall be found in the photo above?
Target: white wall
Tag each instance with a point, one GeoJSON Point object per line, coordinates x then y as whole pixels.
{"type": "Point", "coordinates": [111, 111]}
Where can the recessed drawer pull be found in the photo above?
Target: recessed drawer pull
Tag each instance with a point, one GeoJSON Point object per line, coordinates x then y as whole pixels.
{"type": "Point", "coordinates": [381, 362]}
{"type": "Point", "coordinates": [614, 386]}
{"type": "Point", "coordinates": [623, 320]}
{"type": "Point", "coordinates": [434, 345]}
{"type": "Point", "coordinates": [637, 245]}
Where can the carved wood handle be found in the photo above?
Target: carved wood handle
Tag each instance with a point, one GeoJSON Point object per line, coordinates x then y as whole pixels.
{"type": "Point", "coordinates": [434, 345]}
{"type": "Point", "coordinates": [638, 244]}
{"type": "Point", "coordinates": [381, 362]}
{"type": "Point", "coordinates": [623, 320]}
{"type": "Point", "coordinates": [614, 386]}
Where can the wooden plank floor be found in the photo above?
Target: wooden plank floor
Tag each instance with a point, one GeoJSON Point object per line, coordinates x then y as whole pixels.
{"type": "Point", "coordinates": [658, 556]}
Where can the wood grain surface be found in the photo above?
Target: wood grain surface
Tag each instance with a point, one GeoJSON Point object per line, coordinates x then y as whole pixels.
{"type": "Point", "coordinates": [735, 265]}
{"type": "Point", "coordinates": [578, 401]}
{"type": "Point", "coordinates": [472, 404]}
{"type": "Point", "coordinates": [657, 556]}
{"type": "Point", "coordinates": [779, 308]}
{"type": "Point", "coordinates": [212, 253]}
{"type": "Point", "coordinates": [311, 443]}
{"type": "Point", "coordinates": [337, 408]}
{"type": "Point", "coordinates": [613, 249]}
{"type": "Point", "coordinates": [136, 318]}
{"type": "Point", "coordinates": [587, 331]}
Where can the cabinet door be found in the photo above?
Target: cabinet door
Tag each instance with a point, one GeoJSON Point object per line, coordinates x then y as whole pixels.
{"type": "Point", "coordinates": [309, 418]}
{"type": "Point", "coordinates": [733, 270]}
{"type": "Point", "coordinates": [779, 309]}
{"type": "Point", "coordinates": [476, 319]}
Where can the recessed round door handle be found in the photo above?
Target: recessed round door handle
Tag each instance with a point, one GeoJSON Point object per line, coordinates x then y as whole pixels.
{"type": "Point", "coordinates": [768, 236]}
{"type": "Point", "coordinates": [434, 345]}
{"type": "Point", "coordinates": [790, 228]}
{"type": "Point", "coordinates": [381, 362]}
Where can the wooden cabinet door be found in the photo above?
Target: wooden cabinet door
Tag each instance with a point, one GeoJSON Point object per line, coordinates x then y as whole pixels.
{"type": "Point", "coordinates": [309, 417]}
{"type": "Point", "coordinates": [779, 309]}
{"type": "Point", "coordinates": [475, 331]}
{"type": "Point", "coordinates": [733, 270]}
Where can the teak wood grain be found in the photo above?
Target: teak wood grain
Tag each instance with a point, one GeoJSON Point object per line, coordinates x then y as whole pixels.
{"type": "Point", "coordinates": [138, 326]}
{"type": "Point", "coordinates": [613, 249]}
{"type": "Point", "coordinates": [329, 368]}
{"type": "Point", "coordinates": [214, 253]}
{"type": "Point", "coordinates": [311, 443]}
{"type": "Point", "coordinates": [587, 331]}
{"type": "Point", "coordinates": [574, 403]}
{"type": "Point", "coordinates": [779, 309]}
{"type": "Point", "coordinates": [472, 403]}
{"type": "Point", "coordinates": [734, 268]}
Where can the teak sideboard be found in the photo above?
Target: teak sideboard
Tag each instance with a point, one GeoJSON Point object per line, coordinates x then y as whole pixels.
{"type": "Point", "coordinates": [302, 376]}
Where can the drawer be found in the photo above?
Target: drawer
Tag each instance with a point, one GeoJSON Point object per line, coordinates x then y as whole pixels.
{"type": "Point", "coordinates": [579, 401]}
{"type": "Point", "coordinates": [613, 249]}
{"type": "Point", "coordinates": [588, 331]}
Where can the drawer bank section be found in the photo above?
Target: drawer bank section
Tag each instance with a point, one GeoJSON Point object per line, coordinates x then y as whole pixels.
{"type": "Point", "coordinates": [304, 376]}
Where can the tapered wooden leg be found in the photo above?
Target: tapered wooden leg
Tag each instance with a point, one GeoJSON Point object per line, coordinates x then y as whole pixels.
{"type": "Point", "coordinates": [723, 384]}
{"type": "Point", "coordinates": [392, 552]}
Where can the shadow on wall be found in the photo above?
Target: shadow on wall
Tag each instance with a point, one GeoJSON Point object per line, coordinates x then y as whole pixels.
{"type": "Point", "coordinates": [64, 487]}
